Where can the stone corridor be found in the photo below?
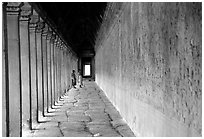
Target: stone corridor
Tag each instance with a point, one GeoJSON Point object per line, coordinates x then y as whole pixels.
{"type": "Point", "coordinates": [83, 112]}
{"type": "Point", "coordinates": [146, 57]}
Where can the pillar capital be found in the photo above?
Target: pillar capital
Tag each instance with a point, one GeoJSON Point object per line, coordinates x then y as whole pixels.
{"type": "Point", "coordinates": [59, 42]}
{"type": "Point", "coordinates": [26, 12]}
{"type": "Point", "coordinates": [64, 46]}
{"type": "Point", "coordinates": [45, 30]}
{"type": "Point", "coordinates": [34, 19]}
{"type": "Point", "coordinates": [61, 45]}
{"type": "Point", "coordinates": [53, 37]}
{"type": "Point", "coordinates": [56, 40]}
{"type": "Point", "coordinates": [13, 8]}
{"type": "Point", "coordinates": [49, 33]}
{"type": "Point", "coordinates": [40, 25]}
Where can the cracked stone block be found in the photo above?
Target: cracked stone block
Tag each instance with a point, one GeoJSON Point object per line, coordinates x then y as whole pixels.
{"type": "Point", "coordinates": [75, 112]}
{"type": "Point", "coordinates": [69, 97]}
{"type": "Point", "coordinates": [98, 115]}
{"type": "Point", "coordinates": [73, 94]}
{"type": "Point", "coordinates": [96, 107]}
{"type": "Point", "coordinates": [79, 118]}
{"type": "Point", "coordinates": [76, 134]}
{"type": "Point", "coordinates": [125, 131]}
{"type": "Point", "coordinates": [50, 132]}
{"type": "Point", "coordinates": [81, 104]}
{"type": "Point", "coordinates": [83, 101]}
{"type": "Point", "coordinates": [69, 105]}
{"type": "Point", "coordinates": [100, 120]}
{"type": "Point", "coordinates": [117, 123]}
{"type": "Point", "coordinates": [65, 108]}
{"type": "Point", "coordinates": [115, 116]}
{"type": "Point", "coordinates": [60, 118]}
{"type": "Point", "coordinates": [94, 111]}
{"type": "Point", "coordinates": [72, 126]}
{"type": "Point", "coordinates": [103, 130]}
{"type": "Point", "coordinates": [48, 125]}
{"type": "Point", "coordinates": [99, 103]}
{"type": "Point", "coordinates": [99, 123]}
{"type": "Point", "coordinates": [71, 101]}
{"type": "Point", "coordinates": [79, 108]}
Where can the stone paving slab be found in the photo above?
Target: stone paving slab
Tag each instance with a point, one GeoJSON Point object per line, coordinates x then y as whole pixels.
{"type": "Point", "coordinates": [48, 132]}
{"type": "Point", "coordinates": [79, 118]}
{"type": "Point", "coordinates": [72, 126]}
{"type": "Point", "coordinates": [83, 112]}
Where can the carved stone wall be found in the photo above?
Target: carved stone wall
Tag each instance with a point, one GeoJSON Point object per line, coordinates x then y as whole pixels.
{"type": "Point", "coordinates": [148, 61]}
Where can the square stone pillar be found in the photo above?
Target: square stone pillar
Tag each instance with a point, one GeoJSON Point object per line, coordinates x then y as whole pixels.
{"type": "Point", "coordinates": [40, 92]}
{"type": "Point", "coordinates": [57, 72]}
{"type": "Point", "coordinates": [49, 81]}
{"type": "Point", "coordinates": [62, 70]}
{"type": "Point", "coordinates": [66, 70]}
{"type": "Point", "coordinates": [58, 69]}
{"type": "Point", "coordinates": [69, 68]}
{"type": "Point", "coordinates": [55, 69]}
{"type": "Point", "coordinates": [25, 66]}
{"type": "Point", "coordinates": [13, 96]}
{"type": "Point", "coordinates": [4, 75]}
{"type": "Point", "coordinates": [64, 67]}
{"type": "Point", "coordinates": [52, 40]}
{"type": "Point", "coordinates": [44, 60]}
{"type": "Point", "coordinates": [33, 61]}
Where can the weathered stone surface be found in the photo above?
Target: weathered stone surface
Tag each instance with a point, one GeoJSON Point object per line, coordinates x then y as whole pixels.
{"type": "Point", "coordinates": [69, 126]}
{"type": "Point", "coordinates": [48, 132]}
{"type": "Point", "coordinates": [60, 118]}
{"type": "Point", "coordinates": [148, 55]}
{"type": "Point", "coordinates": [75, 112]}
{"type": "Point", "coordinates": [98, 123]}
{"type": "Point", "coordinates": [85, 118]}
{"type": "Point", "coordinates": [94, 111]}
{"type": "Point", "coordinates": [79, 118]}
{"type": "Point", "coordinates": [49, 124]}
{"type": "Point", "coordinates": [76, 134]}
{"type": "Point", "coordinates": [103, 130]}
{"type": "Point", "coordinates": [80, 108]}
{"type": "Point", "coordinates": [125, 131]}
{"type": "Point", "coordinates": [117, 123]}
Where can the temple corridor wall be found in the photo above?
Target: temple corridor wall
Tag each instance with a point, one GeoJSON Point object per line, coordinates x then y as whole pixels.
{"type": "Point", "coordinates": [149, 63]}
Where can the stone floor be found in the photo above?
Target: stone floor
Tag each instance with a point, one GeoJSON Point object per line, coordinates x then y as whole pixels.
{"type": "Point", "coordinates": [83, 112]}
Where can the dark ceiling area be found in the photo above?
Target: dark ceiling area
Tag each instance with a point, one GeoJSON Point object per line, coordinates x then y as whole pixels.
{"type": "Point", "coordinates": [77, 22]}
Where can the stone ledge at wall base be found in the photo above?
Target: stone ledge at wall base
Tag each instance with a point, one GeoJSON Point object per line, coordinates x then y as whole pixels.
{"type": "Point", "coordinates": [148, 122]}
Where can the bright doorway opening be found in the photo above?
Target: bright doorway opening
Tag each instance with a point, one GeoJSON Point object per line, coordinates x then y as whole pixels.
{"type": "Point", "coordinates": [87, 70]}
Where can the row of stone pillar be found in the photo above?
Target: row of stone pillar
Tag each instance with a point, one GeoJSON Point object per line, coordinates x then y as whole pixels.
{"type": "Point", "coordinates": [36, 68]}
